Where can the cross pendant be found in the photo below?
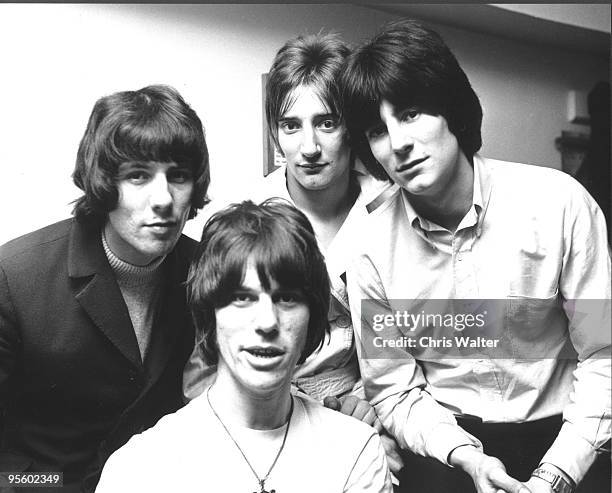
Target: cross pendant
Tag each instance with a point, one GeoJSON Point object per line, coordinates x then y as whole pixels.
{"type": "Point", "coordinates": [262, 488]}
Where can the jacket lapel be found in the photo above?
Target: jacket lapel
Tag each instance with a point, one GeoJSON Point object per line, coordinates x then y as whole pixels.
{"type": "Point", "coordinates": [172, 318]}
{"type": "Point", "coordinates": [98, 292]}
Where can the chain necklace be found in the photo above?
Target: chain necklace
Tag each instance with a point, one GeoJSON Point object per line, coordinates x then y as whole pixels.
{"type": "Point", "coordinates": [263, 480]}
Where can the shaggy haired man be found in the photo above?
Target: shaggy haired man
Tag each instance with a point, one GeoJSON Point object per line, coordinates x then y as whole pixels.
{"type": "Point", "coordinates": [94, 330]}
{"type": "Point", "coordinates": [465, 227]}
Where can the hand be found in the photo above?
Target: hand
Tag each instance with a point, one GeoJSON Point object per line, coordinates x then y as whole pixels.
{"type": "Point", "coordinates": [488, 473]}
{"type": "Point", "coordinates": [537, 485]}
{"type": "Point", "coordinates": [357, 408]}
{"type": "Point", "coordinates": [392, 451]}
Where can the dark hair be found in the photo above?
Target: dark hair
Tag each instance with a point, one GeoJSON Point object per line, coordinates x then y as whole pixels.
{"type": "Point", "coordinates": [151, 124]}
{"type": "Point", "coordinates": [408, 64]}
{"type": "Point", "coordinates": [280, 241]}
{"type": "Point", "coordinates": [313, 60]}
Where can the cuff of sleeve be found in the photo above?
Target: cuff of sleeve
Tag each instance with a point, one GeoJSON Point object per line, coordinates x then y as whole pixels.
{"type": "Point", "coordinates": [358, 390]}
{"type": "Point", "coordinates": [445, 438]}
{"type": "Point", "coordinates": [571, 453]}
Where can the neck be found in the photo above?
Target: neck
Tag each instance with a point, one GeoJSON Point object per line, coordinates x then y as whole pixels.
{"type": "Point", "coordinates": [258, 412]}
{"type": "Point", "coordinates": [448, 206]}
{"type": "Point", "coordinates": [324, 204]}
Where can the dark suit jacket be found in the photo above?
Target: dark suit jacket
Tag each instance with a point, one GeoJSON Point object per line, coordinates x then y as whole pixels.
{"type": "Point", "coordinates": [73, 387]}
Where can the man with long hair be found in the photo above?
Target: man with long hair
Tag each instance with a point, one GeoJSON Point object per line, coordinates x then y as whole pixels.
{"type": "Point", "coordinates": [259, 291]}
{"type": "Point", "coordinates": [464, 227]}
{"type": "Point", "coordinates": [94, 329]}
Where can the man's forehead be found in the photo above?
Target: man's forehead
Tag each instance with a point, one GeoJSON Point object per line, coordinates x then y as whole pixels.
{"type": "Point", "coordinates": [302, 99]}
{"type": "Point", "coordinates": [267, 282]}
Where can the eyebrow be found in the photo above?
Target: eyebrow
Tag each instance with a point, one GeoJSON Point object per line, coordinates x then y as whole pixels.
{"type": "Point", "coordinates": [132, 165]}
{"type": "Point", "coordinates": [289, 117]}
{"type": "Point", "coordinates": [146, 165]}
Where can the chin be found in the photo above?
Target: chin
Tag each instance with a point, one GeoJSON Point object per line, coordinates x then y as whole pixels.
{"type": "Point", "coordinates": [417, 186]}
{"type": "Point", "coordinates": [153, 253]}
{"type": "Point", "coordinates": [163, 247]}
{"type": "Point", "coordinates": [265, 386]}
{"type": "Point", "coordinates": [316, 185]}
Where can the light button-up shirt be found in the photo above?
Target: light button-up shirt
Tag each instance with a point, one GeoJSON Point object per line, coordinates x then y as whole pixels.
{"type": "Point", "coordinates": [531, 235]}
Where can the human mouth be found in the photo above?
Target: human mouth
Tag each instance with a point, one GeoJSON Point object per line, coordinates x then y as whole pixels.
{"type": "Point", "coordinates": [312, 166]}
{"type": "Point", "coordinates": [264, 357]}
{"type": "Point", "coordinates": [161, 227]}
{"type": "Point", "coordinates": [410, 165]}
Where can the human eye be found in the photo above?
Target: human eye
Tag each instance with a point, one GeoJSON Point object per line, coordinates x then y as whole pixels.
{"type": "Point", "coordinates": [328, 124]}
{"type": "Point", "coordinates": [288, 298]}
{"type": "Point", "coordinates": [410, 114]}
{"type": "Point", "coordinates": [242, 298]}
{"type": "Point", "coordinates": [179, 175]}
{"type": "Point", "coordinates": [133, 172]}
{"type": "Point", "coordinates": [289, 126]}
{"type": "Point", "coordinates": [376, 131]}
{"type": "Point", "coordinates": [136, 177]}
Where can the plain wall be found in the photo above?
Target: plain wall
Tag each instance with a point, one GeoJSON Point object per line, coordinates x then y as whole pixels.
{"type": "Point", "coordinates": [56, 60]}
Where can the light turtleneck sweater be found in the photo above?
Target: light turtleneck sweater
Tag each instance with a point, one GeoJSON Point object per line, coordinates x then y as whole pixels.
{"type": "Point", "coordinates": [140, 287]}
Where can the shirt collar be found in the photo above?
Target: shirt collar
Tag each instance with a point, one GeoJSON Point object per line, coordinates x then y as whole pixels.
{"type": "Point", "coordinates": [482, 183]}
{"type": "Point", "coordinates": [482, 190]}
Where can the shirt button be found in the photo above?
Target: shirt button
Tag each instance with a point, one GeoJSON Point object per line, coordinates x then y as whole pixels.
{"type": "Point", "coordinates": [343, 321]}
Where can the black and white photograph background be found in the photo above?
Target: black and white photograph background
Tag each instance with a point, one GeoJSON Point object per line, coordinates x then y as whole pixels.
{"type": "Point", "coordinates": [531, 65]}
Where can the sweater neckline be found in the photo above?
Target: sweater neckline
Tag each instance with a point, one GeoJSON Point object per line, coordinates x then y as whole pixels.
{"type": "Point", "coordinates": [130, 274]}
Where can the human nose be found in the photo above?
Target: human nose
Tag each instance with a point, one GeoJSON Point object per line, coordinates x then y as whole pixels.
{"type": "Point", "coordinates": [266, 316]}
{"type": "Point", "coordinates": [160, 195]}
{"type": "Point", "coordinates": [401, 140]}
{"type": "Point", "coordinates": [310, 147]}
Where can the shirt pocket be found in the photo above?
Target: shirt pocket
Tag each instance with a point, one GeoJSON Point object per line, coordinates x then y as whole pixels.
{"type": "Point", "coordinates": [532, 263]}
{"type": "Point", "coordinates": [536, 328]}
